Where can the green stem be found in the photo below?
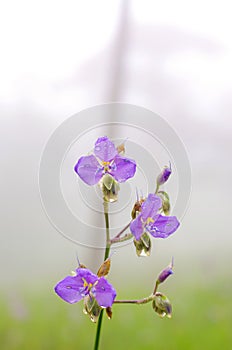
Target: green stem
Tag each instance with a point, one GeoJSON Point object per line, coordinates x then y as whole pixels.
{"type": "Point", "coordinates": [108, 243]}
{"type": "Point", "coordinates": [107, 252]}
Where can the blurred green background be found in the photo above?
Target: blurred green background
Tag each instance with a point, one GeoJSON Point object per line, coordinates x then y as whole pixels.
{"type": "Point", "coordinates": [201, 320]}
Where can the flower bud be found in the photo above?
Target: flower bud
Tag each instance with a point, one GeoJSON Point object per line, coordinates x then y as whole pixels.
{"type": "Point", "coordinates": [162, 305]}
{"type": "Point", "coordinates": [136, 209]}
{"type": "Point", "coordinates": [104, 268]}
{"type": "Point", "coordinates": [91, 308]}
{"type": "Point", "coordinates": [143, 245]}
{"type": "Point", "coordinates": [110, 188]}
{"type": "Point", "coordinates": [164, 175]}
{"type": "Point", "coordinates": [165, 273]}
{"type": "Point", "coordinates": [165, 202]}
{"type": "Point", "coordinates": [121, 148]}
{"type": "Point", "coordinates": [109, 312]}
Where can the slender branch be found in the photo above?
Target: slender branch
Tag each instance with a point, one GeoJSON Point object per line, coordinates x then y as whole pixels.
{"type": "Point", "coordinates": [121, 239]}
{"type": "Point", "coordinates": [156, 287]}
{"type": "Point", "coordinates": [121, 232]}
{"type": "Point", "coordinates": [138, 302]}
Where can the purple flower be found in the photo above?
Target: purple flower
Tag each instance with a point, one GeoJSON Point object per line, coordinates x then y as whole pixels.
{"type": "Point", "coordinates": [164, 175]}
{"type": "Point", "coordinates": [74, 288]}
{"type": "Point", "coordinates": [106, 160]}
{"type": "Point", "coordinates": [149, 220]}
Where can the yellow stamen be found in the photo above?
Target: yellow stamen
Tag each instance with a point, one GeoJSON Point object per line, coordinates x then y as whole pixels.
{"type": "Point", "coordinates": [149, 220]}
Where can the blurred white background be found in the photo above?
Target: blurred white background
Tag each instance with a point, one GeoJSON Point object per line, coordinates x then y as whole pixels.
{"type": "Point", "coordinates": [58, 57]}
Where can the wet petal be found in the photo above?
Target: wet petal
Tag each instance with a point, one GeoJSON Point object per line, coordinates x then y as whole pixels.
{"type": "Point", "coordinates": [137, 227]}
{"type": "Point", "coordinates": [89, 170]}
{"type": "Point", "coordinates": [123, 168]}
{"type": "Point", "coordinates": [163, 226]}
{"type": "Point", "coordinates": [103, 292]}
{"type": "Point", "coordinates": [71, 289]}
{"type": "Point", "coordinates": [150, 207]}
{"type": "Point", "coordinates": [104, 149]}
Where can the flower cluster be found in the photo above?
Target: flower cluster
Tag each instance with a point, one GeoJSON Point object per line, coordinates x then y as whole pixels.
{"type": "Point", "coordinates": [106, 167]}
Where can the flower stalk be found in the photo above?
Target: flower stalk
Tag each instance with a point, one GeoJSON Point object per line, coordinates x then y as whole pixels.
{"type": "Point", "coordinates": [107, 252]}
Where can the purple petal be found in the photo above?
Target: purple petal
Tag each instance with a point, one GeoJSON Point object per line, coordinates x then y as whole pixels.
{"type": "Point", "coordinates": [163, 226]}
{"type": "Point", "coordinates": [137, 227]}
{"type": "Point", "coordinates": [150, 207]}
{"type": "Point", "coordinates": [164, 175]}
{"type": "Point", "coordinates": [123, 168]}
{"type": "Point", "coordinates": [89, 170]}
{"type": "Point", "coordinates": [87, 275]}
{"type": "Point", "coordinates": [104, 149]}
{"type": "Point", "coordinates": [165, 274]}
{"type": "Point", "coordinates": [71, 289]}
{"type": "Point", "coordinates": [104, 292]}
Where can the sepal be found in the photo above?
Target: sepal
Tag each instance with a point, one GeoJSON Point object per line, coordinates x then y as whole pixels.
{"type": "Point", "coordinates": [143, 245]}
{"type": "Point", "coordinates": [162, 305]}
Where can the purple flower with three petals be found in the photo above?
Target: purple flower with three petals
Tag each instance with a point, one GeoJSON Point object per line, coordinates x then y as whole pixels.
{"type": "Point", "coordinates": [106, 160]}
{"type": "Point", "coordinates": [149, 220]}
{"type": "Point", "coordinates": [74, 288]}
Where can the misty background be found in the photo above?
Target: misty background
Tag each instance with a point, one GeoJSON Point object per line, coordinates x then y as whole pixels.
{"type": "Point", "coordinates": [58, 58]}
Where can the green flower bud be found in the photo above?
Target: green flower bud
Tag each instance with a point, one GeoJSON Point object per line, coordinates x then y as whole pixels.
{"type": "Point", "coordinates": [162, 305]}
{"type": "Point", "coordinates": [91, 308]}
{"type": "Point", "coordinates": [143, 245]}
{"type": "Point", "coordinates": [165, 202]}
{"type": "Point", "coordinates": [110, 188]}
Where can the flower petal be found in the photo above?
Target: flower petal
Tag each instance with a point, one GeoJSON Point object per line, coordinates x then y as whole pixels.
{"type": "Point", "coordinates": [87, 275]}
{"type": "Point", "coordinates": [150, 207]}
{"type": "Point", "coordinates": [137, 227]}
{"type": "Point", "coordinates": [104, 149]}
{"type": "Point", "coordinates": [103, 292]}
{"type": "Point", "coordinates": [163, 226]}
{"type": "Point", "coordinates": [123, 168]}
{"type": "Point", "coordinates": [89, 170]}
{"type": "Point", "coordinates": [71, 289]}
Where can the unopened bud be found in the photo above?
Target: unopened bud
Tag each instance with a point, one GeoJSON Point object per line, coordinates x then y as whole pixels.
{"type": "Point", "coordinates": [162, 305]}
{"type": "Point", "coordinates": [110, 188]}
{"type": "Point", "coordinates": [136, 209]}
{"type": "Point", "coordinates": [164, 175]}
{"type": "Point", "coordinates": [121, 148]}
{"type": "Point", "coordinates": [165, 273]}
{"type": "Point", "coordinates": [143, 245]}
{"type": "Point", "coordinates": [165, 202]}
{"type": "Point", "coordinates": [104, 268]}
{"type": "Point", "coordinates": [109, 312]}
{"type": "Point", "coordinates": [92, 308]}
